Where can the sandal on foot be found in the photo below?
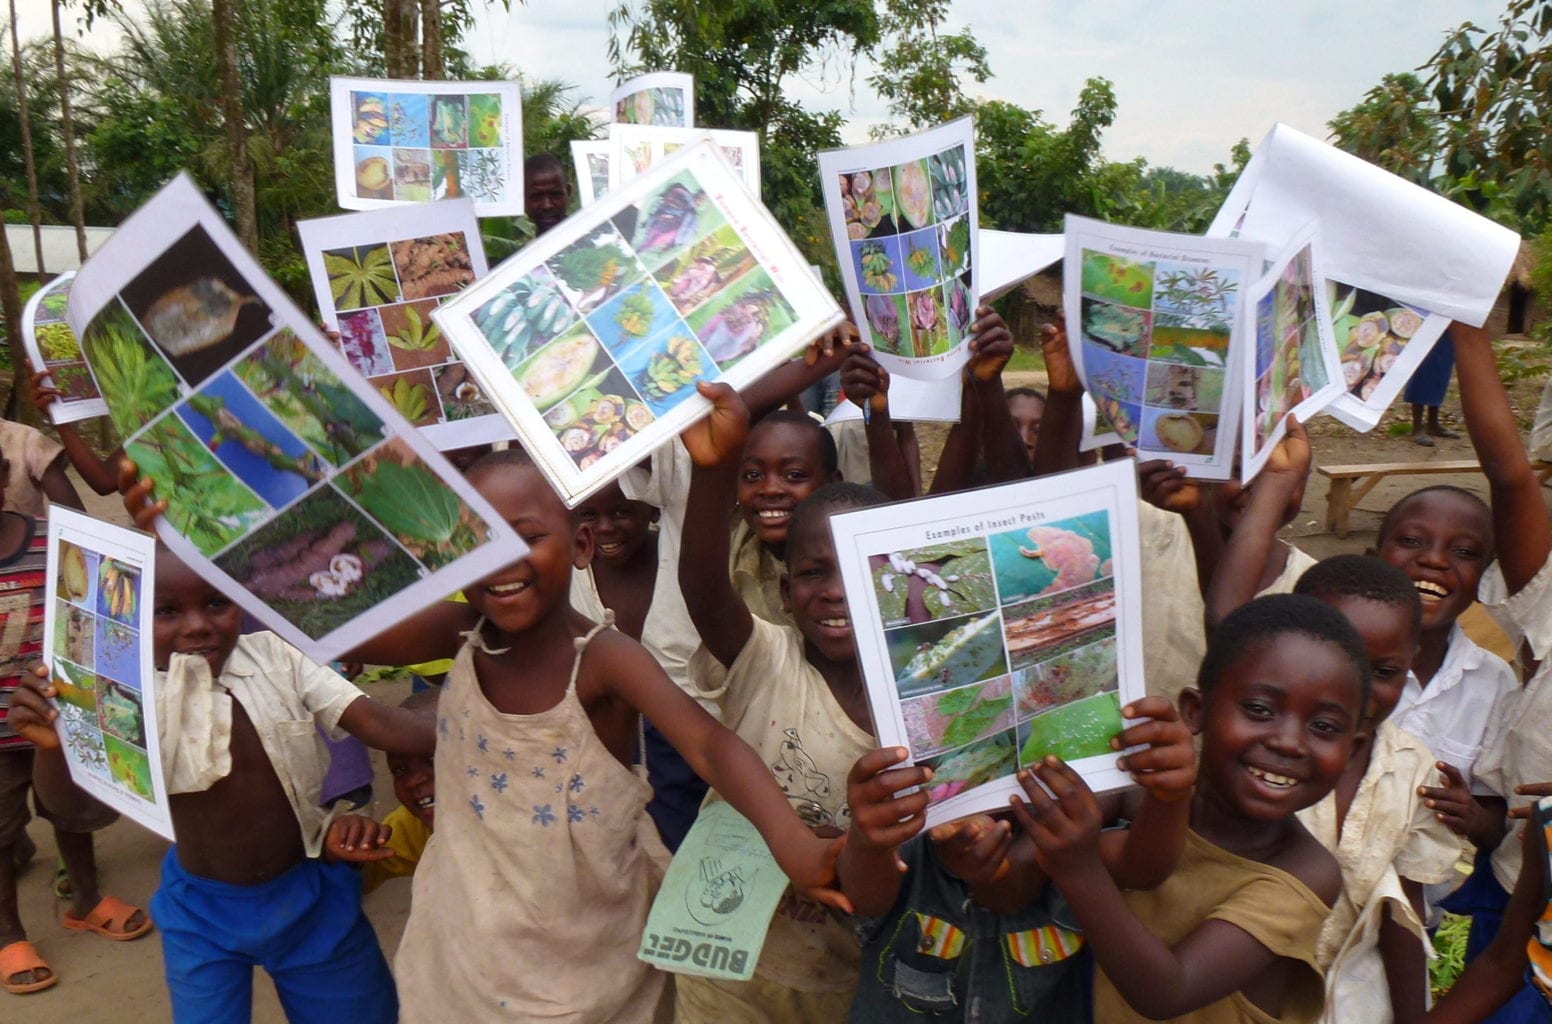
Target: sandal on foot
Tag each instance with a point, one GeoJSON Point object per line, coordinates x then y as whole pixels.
{"type": "Point", "coordinates": [62, 889]}
{"type": "Point", "coordinates": [1422, 439]}
{"type": "Point", "coordinates": [110, 919]}
{"type": "Point", "coordinates": [22, 958]}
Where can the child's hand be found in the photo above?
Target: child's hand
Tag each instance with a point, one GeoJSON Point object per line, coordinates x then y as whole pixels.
{"type": "Point", "coordinates": [975, 849]}
{"type": "Point", "coordinates": [1291, 456]}
{"type": "Point", "coordinates": [1165, 485]}
{"type": "Point", "coordinates": [1167, 768]}
{"type": "Point", "coordinates": [137, 496]}
{"type": "Point", "coordinates": [881, 818]}
{"type": "Point", "coordinates": [1065, 829]}
{"type": "Point", "coordinates": [814, 876]}
{"type": "Point", "coordinates": [31, 715]}
{"type": "Point", "coordinates": [1535, 789]}
{"type": "Point", "coordinates": [831, 346]}
{"type": "Point", "coordinates": [863, 381]}
{"type": "Point", "coordinates": [991, 344]}
{"type": "Point", "coordinates": [357, 839]}
{"type": "Point", "coordinates": [1454, 805]}
{"type": "Point", "coordinates": [42, 395]}
{"type": "Point", "coordinates": [717, 440]}
{"type": "Point", "coordinates": [1061, 373]}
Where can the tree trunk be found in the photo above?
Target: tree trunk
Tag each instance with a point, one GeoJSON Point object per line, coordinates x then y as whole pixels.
{"type": "Point", "coordinates": [393, 38]}
{"type": "Point", "coordinates": [33, 213]}
{"type": "Point", "coordinates": [67, 130]}
{"type": "Point", "coordinates": [11, 307]}
{"type": "Point", "coordinates": [431, 68]}
{"type": "Point", "coordinates": [243, 200]}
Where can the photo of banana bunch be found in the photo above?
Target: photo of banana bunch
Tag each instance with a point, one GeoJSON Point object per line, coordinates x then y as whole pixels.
{"type": "Point", "coordinates": [118, 591]}
{"type": "Point", "coordinates": [664, 369]}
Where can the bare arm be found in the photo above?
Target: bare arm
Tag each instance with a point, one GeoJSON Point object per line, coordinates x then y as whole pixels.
{"type": "Point", "coordinates": [57, 486]}
{"type": "Point", "coordinates": [431, 633]}
{"type": "Point", "coordinates": [1406, 963]}
{"type": "Point", "coordinates": [1519, 516]}
{"type": "Point", "coordinates": [32, 717]}
{"type": "Point", "coordinates": [866, 384]}
{"type": "Point", "coordinates": [101, 475]}
{"type": "Point", "coordinates": [1061, 428]}
{"type": "Point", "coordinates": [991, 347]}
{"type": "Point", "coordinates": [395, 730]}
{"type": "Point", "coordinates": [958, 456]}
{"type": "Point", "coordinates": [1144, 855]}
{"type": "Point", "coordinates": [882, 819]}
{"type": "Point", "coordinates": [822, 358]}
{"type": "Point", "coordinates": [714, 444]}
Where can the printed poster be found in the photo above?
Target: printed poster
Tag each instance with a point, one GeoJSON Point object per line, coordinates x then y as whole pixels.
{"type": "Point", "coordinates": [664, 98]}
{"type": "Point", "coordinates": [399, 142]}
{"type": "Point", "coordinates": [712, 911]}
{"type": "Point", "coordinates": [53, 346]}
{"type": "Point", "coordinates": [1381, 342]}
{"type": "Point", "coordinates": [1154, 322]}
{"type": "Point", "coordinates": [1295, 368]}
{"type": "Point", "coordinates": [903, 216]}
{"type": "Point", "coordinates": [911, 401]}
{"type": "Point", "coordinates": [99, 629]}
{"type": "Point", "coordinates": [378, 276]}
{"type": "Point", "coordinates": [591, 337]}
{"type": "Point", "coordinates": [591, 160]}
{"type": "Point", "coordinates": [633, 148]}
{"type": "Point", "coordinates": [997, 626]}
{"type": "Point", "coordinates": [292, 484]}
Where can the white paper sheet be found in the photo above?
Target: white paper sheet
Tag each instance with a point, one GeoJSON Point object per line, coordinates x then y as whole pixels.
{"type": "Point", "coordinates": [398, 142]}
{"type": "Point", "coordinates": [1157, 324]}
{"type": "Point", "coordinates": [1379, 232]}
{"type": "Point", "coordinates": [44, 326]}
{"type": "Point", "coordinates": [591, 160]}
{"type": "Point", "coordinates": [633, 148]}
{"type": "Point", "coordinates": [1009, 258]}
{"type": "Point", "coordinates": [1381, 343]}
{"type": "Point", "coordinates": [904, 221]}
{"type": "Point", "coordinates": [378, 276]}
{"type": "Point", "coordinates": [292, 484]}
{"type": "Point", "coordinates": [591, 337]}
{"type": "Point", "coordinates": [1294, 368]}
{"type": "Point", "coordinates": [664, 98]}
{"type": "Point", "coordinates": [913, 401]}
{"type": "Point", "coordinates": [997, 626]}
{"type": "Point", "coordinates": [99, 628]}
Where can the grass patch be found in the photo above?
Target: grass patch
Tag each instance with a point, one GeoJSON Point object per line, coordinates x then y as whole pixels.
{"type": "Point", "coordinates": [1026, 360]}
{"type": "Point", "coordinates": [1449, 942]}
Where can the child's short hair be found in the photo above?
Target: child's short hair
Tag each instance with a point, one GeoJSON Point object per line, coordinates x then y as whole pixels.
{"type": "Point", "coordinates": [1394, 513]}
{"type": "Point", "coordinates": [1022, 392]}
{"type": "Point", "coordinates": [829, 458]}
{"type": "Point", "coordinates": [1362, 576]}
{"type": "Point", "coordinates": [514, 456]}
{"type": "Point", "coordinates": [814, 510]}
{"type": "Point", "coordinates": [1267, 618]}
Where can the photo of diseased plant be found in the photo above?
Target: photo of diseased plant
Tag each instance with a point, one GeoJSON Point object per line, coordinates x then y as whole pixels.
{"type": "Point", "coordinates": [560, 368]}
{"type": "Point", "coordinates": [912, 195]}
{"type": "Point", "coordinates": [461, 394]}
{"type": "Point", "coordinates": [737, 319]}
{"type": "Point", "coordinates": [310, 399]}
{"type": "Point", "coordinates": [75, 380]}
{"type": "Point", "coordinates": [950, 183]}
{"type": "Point", "coordinates": [1112, 375]}
{"type": "Point", "coordinates": [954, 246]}
{"type": "Point", "coordinates": [867, 204]}
{"type": "Point", "coordinates": [939, 581]}
{"type": "Point", "coordinates": [83, 740]}
{"type": "Point", "coordinates": [407, 119]}
{"type": "Point", "coordinates": [1070, 677]}
{"type": "Point", "coordinates": [129, 767]}
{"type": "Point", "coordinates": [1189, 295]}
{"type": "Point", "coordinates": [641, 311]}
{"type": "Point", "coordinates": [413, 338]}
{"type": "Point", "coordinates": [206, 503]}
{"type": "Point", "coordinates": [397, 489]}
{"type": "Point", "coordinates": [118, 653]}
{"type": "Point", "coordinates": [1078, 730]}
{"type": "Point", "coordinates": [664, 369]}
{"type": "Point", "coordinates": [890, 323]}
{"type": "Point", "coordinates": [250, 441]}
{"type": "Point", "coordinates": [920, 251]}
{"type": "Point", "coordinates": [1189, 346]}
{"type": "Point", "coordinates": [1193, 388]}
{"type": "Point", "coordinates": [438, 265]}
{"type": "Point", "coordinates": [674, 216]}
{"type": "Point", "coordinates": [946, 653]}
{"type": "Point", "coordinates": [76, 687]}
{"type": "Point", "coordinates": [878, 265]}
{"type": "Point", "coordinates": [484, 120]}
{"type": "Point", "coordinates": [321, 564]}
{"type": "Point", "coordinates": [1371, 331]}
{"type": "Point", "coordinates": [954, 718]}
{"type": "Point", "coordinates": [135, 379]}
{"type": "Point", "coordinates": [1120, 329]}
{"type": "Point", "coordinates": [1189, 433]}
{"type": "Point", "coordinates": [360, 275]}
{"type": "Point", "coordinates": [701, 270]}
{"type": "Point", "coordinates": [929, 322]}
{"type": "Point", "coordinates": [369, 124]}
{"type": "Point", "coordinates": [374, 172]}
{"type": "Point", "coordinates": [79, 642]}
{"type": "Point", "coordinates": [1051, 557]}
{"type": "Point", "coordinates": [445, 183]}
{"type": "Point", "coordinates": [482, 174]}
{"type": "Point", "coordinates": [595, 268]}
{"type": "Point", "coordinates": [1048, 627]}
{"type": "Point", "coordinates": [526, 316]}
{"type": "Point", "coordinates": [412, 175]}
{"type": "Point", "coordinates": [449, 122]}
{"type": "Point", "coordinates": [968, 767]}
{"type": "Point", "coordinates": [598, 417]}
{"type": "Point", "coordinates": [412, 394]}
{"type": "Point", "coordinates": [77, 573]}
{"type": "Point", "coordinates": [57, 343]}
{"type": "Point", "coordinates": [364, 342]}
{"type": "Point", "coordinates": [119, 713]}
{"type": "Point", "coordinates": [118, 591]}
{"type": "Point", "coordinates": [1117, 278]}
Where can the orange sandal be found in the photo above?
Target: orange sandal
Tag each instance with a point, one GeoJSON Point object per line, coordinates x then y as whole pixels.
{"type": "Point", "coordinates": [110, 919]}
{"type": "Point", "coordinates": [22, 958]}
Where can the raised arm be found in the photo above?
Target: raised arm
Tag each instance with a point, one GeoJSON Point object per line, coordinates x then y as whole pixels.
{"type": "Point", "coordinates": [991, 346]}
{"type": "Point", "coordinates": [1519, 515]}
{"type": "Point", "coordinates": [882, 818]}
{"type": "Point", "coordinates": [1061, 428]}
{"type": "Point", "coordinates": [822, 358]}
{"type": "Point", "coordinates": [715, 445]}
{"type": "Point", "coordinates": [101, 475]}
{"type": "Point", "coordinates": [958, 457]}
{"type": "Point", "coordinates": [866, 384]}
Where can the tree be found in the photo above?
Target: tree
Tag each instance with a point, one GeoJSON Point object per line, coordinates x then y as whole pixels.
{"type": "Point", "coordinates": [224, 18]}
{"type": "Point", "coordinates": [24, 118]}
{"type": "Point", "coordinates": [67, 129]}
{"type": "Point", "coordinates": [919, 68]}
{"type": "Point", "coordinates": [1392, 127]}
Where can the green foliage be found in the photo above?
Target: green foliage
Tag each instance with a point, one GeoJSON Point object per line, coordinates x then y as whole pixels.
{"type": "Point", "coordinates": [1392, 127]}
{"type": "Point", "coordinates": [410, 502]}
{"type": "Point", "coordinates": [919, 67]}
{"type": "Point", "coordinates": [1449, 942]}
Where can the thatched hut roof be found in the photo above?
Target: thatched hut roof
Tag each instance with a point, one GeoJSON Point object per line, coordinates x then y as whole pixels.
{"type": "Point", "coordinates": [1524, 262]}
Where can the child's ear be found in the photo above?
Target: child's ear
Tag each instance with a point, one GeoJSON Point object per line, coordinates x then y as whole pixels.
{"type": "Point", "coordinates": [582, 546]}
{"type": "Point", "coordinates": [785, 585]}
{"type": "Point", "coordinates": [1191, 706]}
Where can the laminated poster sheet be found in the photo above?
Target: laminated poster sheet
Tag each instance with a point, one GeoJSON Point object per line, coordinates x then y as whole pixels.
{"type": "Point", "coordinates": [1156, 322]}
{"type": "Point", "coordinates": [1009, 258]}
{"type": "Point", "coordinates": [1295, 367]}
{"type": "Point", "coordinates": [903, 217]}
{"type": "Point", "coordinates": [53, 346]}
{"type": "Point", "coordinates": [712, 911]}
{"type": "Point", "coordinates": [378, 275]}
{"type": "Point", "coordinates": [98, 625]}
{"type": "Point", "coordinates": [1381, 343]}
{"type": "Point", "coordinates": [911, 401]}
{"type": "Point", "coordinates": [633, 148]}
{"type": "Point", "coordinates": [997, 626]}
{"type": "Point", "coordinates": [591, 160]}
{"type": "Point", "coordinates": [292, 484]}
{"type": "Point", "coordinates": [398, 142]}
{"type": "Point", "coordinates": [590, 339]}
{"type": "Point", "coordinates": [664, 98]}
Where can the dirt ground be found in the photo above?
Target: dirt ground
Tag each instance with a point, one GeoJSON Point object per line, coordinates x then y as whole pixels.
{"type": "Point", "coordinates": [96, 974]}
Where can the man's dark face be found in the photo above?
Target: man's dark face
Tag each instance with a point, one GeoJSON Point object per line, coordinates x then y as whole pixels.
{"type": "Point", "coordinates": [545, 197]}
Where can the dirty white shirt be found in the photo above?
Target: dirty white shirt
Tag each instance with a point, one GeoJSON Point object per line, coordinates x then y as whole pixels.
{"type": "Point", "coordinates": [1452, 713]}
{"type": "Point", "coordinates": [284, 693]}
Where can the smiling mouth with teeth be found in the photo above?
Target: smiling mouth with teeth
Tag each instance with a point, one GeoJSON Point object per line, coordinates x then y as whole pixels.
{"type": "Point", "coordinates": [1272, 778]}
{"type": "Point", "coordinates": [771, 515]}
{"type": "Point", "coordinates": [835, 623]}
{"type": "Point", "coordinates": [504, 589]}
{"type": "Point", "coordinates": [426, 802]}
{"type": "Point", "coordinates": [1426, 588]}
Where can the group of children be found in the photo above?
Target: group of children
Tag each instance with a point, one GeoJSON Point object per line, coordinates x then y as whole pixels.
{"type": "Point", "coordinates": [1320, 747]}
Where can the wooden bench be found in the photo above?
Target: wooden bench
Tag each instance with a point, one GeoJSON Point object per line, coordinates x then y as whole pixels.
{"type": "Point", "coordinates": [1343, 496]}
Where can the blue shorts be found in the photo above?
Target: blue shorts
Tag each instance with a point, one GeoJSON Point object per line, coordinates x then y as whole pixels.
{"type": "Point", "coordinates": [306, 928]}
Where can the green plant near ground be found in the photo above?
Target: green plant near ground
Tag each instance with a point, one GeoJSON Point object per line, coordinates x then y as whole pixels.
{"type": "Point", "coordinates": [413, 401]}
{"type": "Point", "coordinates": [418, 335]}
{"type": "Point", "coordinates": [1449, 942]}
{"type": "Point", "coordinates": [211, 508]}
{"type": "Point", "coordinates": [135, 382]}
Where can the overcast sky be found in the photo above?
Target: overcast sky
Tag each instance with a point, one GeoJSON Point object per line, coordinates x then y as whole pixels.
{"type": "Point", "coordinates": [1191, 76]}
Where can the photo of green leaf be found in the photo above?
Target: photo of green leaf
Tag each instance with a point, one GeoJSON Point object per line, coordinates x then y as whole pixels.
{"type": "Point", "coordinates": [1078, 730]}
{"type": "Point", "coordinates": [360, 276]}
{"type": "Point", "coordinates": [954, 718]}
{"type": "Point", "coordinates": [310, 399]}
{"type": "Point", "coordinates": [205, 502]}
{"type": "Point", "coordinates": [134, 379]}
{"type": "Point", "coordinates": [408, 500]}
{"type": "Point", "coordinates": [411, 395]}
{"type": "Point", "coordinates": [57, 343]}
